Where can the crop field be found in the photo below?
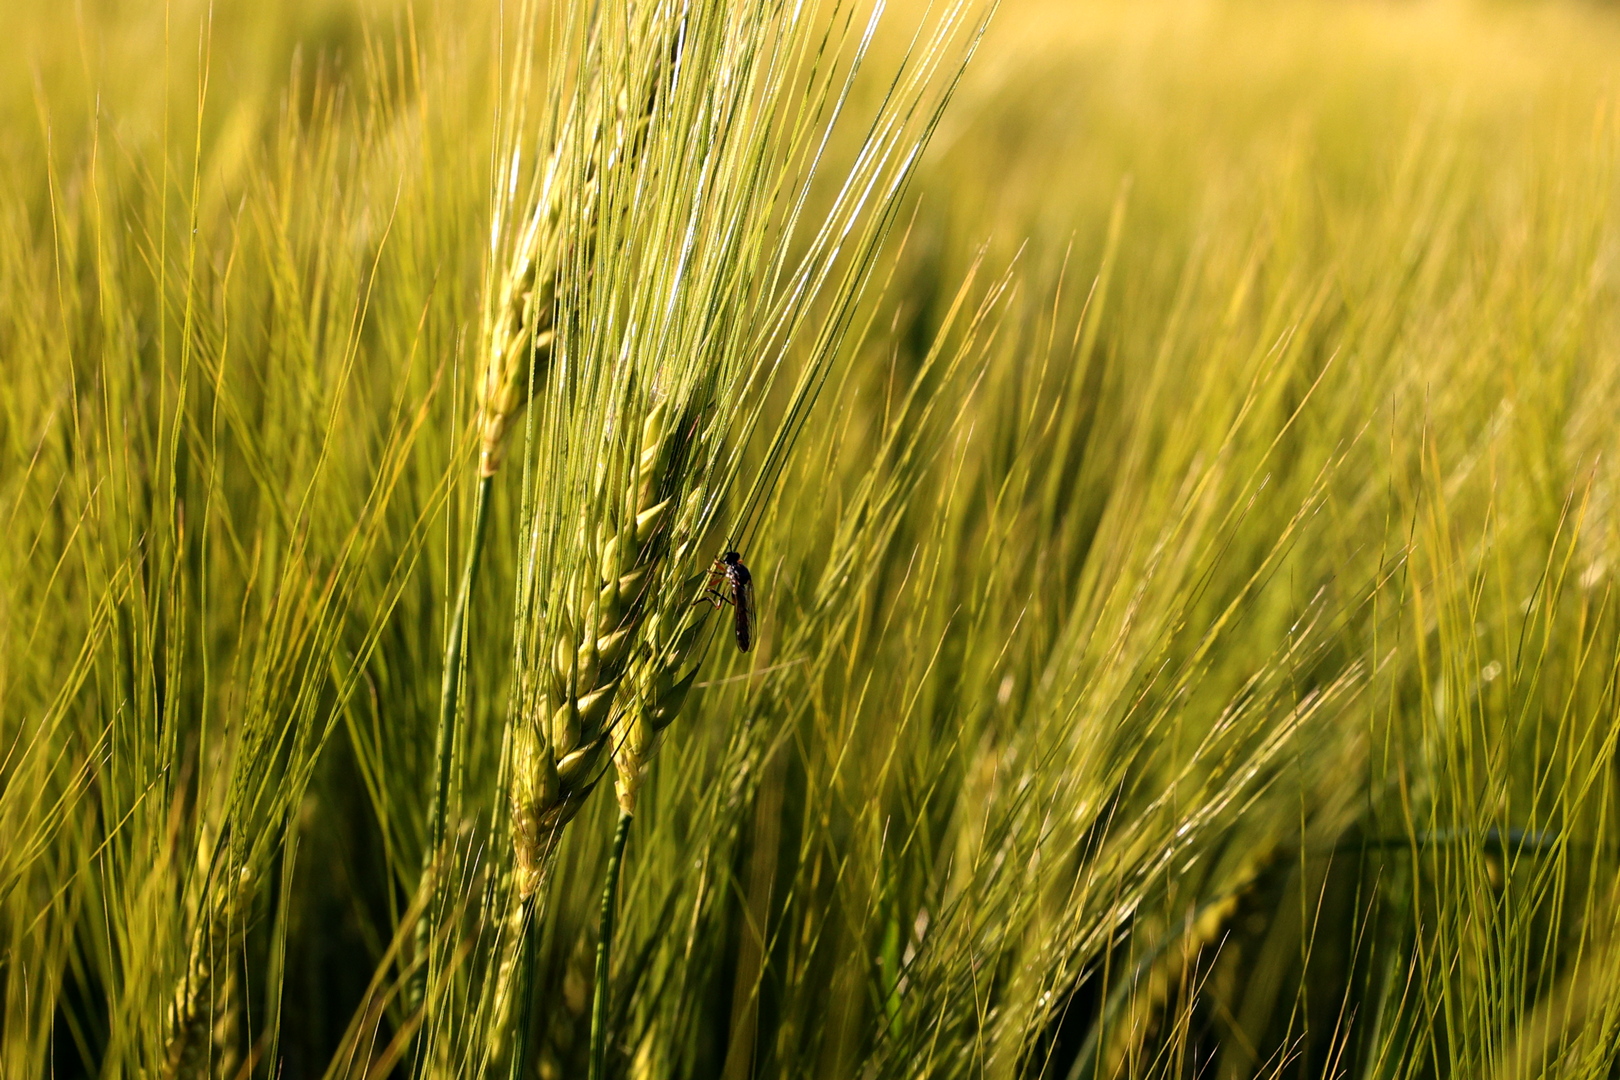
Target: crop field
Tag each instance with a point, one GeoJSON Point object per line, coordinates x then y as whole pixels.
{"type": "Point", "coordinates": [728, 539]}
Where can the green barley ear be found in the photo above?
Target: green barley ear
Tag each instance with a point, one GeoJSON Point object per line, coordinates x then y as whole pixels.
{"type": "Point", "coordinates": [659, 686]}
{"type": "Point", "coordinates": [556, 745]}
{"type": "Point", "coordinates": [204, 1019]}
{"type": "Point", "coordinates": [534, 788]}
{"type": "Point", "coordinates": [519, 323]}
{"type": "Point", "coordinates": [520, 335]}
{"type": "Point", "coordinates": [559, 749]}
{"type": "Point", "coordinates": [706, 292]}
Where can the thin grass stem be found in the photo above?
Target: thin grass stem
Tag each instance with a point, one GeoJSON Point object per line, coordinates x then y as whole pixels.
{"type": "Point", "coordinates": [444, 741]}
{"type": "Point", "coordinates": [523, 1005]}
{"type": "Point", "coordinates": [604, 947]}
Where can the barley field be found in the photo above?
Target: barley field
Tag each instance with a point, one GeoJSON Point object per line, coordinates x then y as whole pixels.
{"type": "Point", "coordinates": [1068, 539]}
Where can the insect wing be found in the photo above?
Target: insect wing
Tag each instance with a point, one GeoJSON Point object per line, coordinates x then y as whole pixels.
{"type": "Point", "coordinates": [742, 597]}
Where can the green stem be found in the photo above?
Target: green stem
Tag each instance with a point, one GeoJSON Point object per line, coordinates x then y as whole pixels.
{"type": "Point", "coordinates": [523, 1003]}
{"type": "Point", "coordinates": [604, 947]}
{"type": "Point", "coordinates": [445, 740]}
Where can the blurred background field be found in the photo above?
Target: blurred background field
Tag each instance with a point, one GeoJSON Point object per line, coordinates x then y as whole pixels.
{"type": "Point", "coordinates": [1187, 644]}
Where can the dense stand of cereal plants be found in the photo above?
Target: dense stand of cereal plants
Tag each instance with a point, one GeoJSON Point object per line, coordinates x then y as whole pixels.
{"type": "Point", "coordinates": [1174, 447]}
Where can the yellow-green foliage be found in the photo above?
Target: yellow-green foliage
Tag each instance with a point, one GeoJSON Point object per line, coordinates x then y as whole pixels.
{"type": "Point", "coordinates": [1187, 641]}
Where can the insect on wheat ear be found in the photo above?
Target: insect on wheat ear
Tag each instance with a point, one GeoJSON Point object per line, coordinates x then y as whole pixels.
{"type": "Point", "coordinates": [736, 589]}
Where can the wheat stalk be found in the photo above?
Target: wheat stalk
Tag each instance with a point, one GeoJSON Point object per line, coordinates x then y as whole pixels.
{"type": "Point", "coordinates": [559, 748]}
{"type": "Point", "coordinates": [688, 306]}
{"type": "Point", "coordinates": [519, 332]}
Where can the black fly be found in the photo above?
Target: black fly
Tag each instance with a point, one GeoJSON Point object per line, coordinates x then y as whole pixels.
{"type": "Point", "coordinates": [739, 584]}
